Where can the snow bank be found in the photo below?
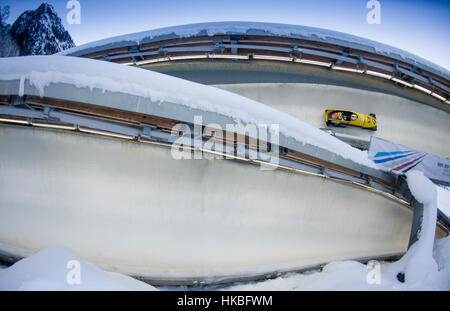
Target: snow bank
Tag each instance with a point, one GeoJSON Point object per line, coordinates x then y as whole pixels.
{"type": "Point", "coordinates": [55, 269]}
{"type": "Point", "coordinates": [261, 29]}
{"type": "Point", "coordinates": [418, 264]}
{"type": "Point", "coordinates": [355, 276]}
{"type": "Point", "coordinates": [42, 71]}
{"type": "Point", "coordinates": [424, 267]}
{"type": "Point", "coordinates": [441, 253]}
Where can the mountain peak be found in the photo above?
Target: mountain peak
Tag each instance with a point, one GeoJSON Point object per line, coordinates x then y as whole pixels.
{"type": "Point", "coordinates": [40, 32]}
{"type": "Point", "coordinates": [45, 8]}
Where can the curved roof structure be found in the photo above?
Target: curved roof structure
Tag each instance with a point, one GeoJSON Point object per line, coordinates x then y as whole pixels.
{"type": "Point", "coordinates": [147, 92]}
{"type": "Point", "coordinates": [56, 80]}
{"type": "Point", "coordinates": [274, 42]}
{"type": "Point", "coordinates": [259, 29]}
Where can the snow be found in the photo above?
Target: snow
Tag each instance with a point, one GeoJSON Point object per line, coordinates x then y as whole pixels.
{"type": "Point", "coordinates": [425, 267]}
{"type": "Point", "coordinates": [262, 29]}
{"type": "Point", "coordinates": [42, 71]}
{"type": "Point", "coordinates": [421, 187]}
{"type": "Point", "coordinates": [418, 263]}
{"type": "Point", "coordinates": [441, 253]}
{"type": "Point", "coordinates": [49, 270]}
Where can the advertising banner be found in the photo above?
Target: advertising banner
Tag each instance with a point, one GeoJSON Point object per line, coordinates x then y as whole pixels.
{"type": "Point", "coordinates": [398, 158]}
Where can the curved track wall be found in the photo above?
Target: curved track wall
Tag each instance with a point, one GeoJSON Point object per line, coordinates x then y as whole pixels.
{"type": "Point", "coordinates": [400, 120]}
{"type": "Point", "coordinates": [118, 205]}
{"type": "Point", "coordinates": [406, 116]}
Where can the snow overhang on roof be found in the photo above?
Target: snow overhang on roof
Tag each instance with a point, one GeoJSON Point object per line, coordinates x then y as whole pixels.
{"type": "Point", "coordinates": [260, 29]}
{"type": "Point", "coordinates": [143, 91]}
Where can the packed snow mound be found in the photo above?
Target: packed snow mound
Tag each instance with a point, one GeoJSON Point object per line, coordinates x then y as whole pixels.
{"type": "Point", "coordinates": [418, 264]}
{"type": "Point", "coordinates": [355, 276]}
{"type": "Point", "coordinates": [259, 29]}
{"type": "Point", "coordinates": [42, 71]}
{"type": "Point", "coordinates": [441, 254]}
{"type": "Point", "coordinates": [423, 189]}
{"type": "Point", "coordinates": [56, 268]}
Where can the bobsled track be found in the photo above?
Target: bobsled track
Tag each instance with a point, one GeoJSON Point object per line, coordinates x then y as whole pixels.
{"type": "Point", "coordinates": [91, 168]}
{"type": "Point", "coordinates": [402, 120]}
{"type": "Point", "coordinates": [301, 71]}
{"type": "Point", "coordinates": [118, 205]}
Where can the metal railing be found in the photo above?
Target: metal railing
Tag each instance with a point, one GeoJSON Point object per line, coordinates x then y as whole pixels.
{"type": "Point", "coordinates": [402, 74]}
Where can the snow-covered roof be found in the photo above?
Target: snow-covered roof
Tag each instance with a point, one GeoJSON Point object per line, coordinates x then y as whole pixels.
{"type": "Point", "coordinates": [158, 94]}
{"type": "Point", "coordinates": [259, 29]}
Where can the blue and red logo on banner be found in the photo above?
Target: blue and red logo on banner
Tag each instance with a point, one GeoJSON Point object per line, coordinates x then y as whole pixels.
{"type": "Point", "coordinates": [394, 157]}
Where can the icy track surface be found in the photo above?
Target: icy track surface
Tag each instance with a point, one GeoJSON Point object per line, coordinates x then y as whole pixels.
{"type": "Point", "coordinates": [424, 266]}
{"type": "Point", "coordinates": [42, 71]}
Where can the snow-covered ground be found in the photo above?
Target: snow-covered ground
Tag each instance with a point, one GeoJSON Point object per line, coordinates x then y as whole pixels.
{"type": "Point", "coordinates": [59, 268]}
{"type": "Point", "coordinates": [426, 265]}
{"type": "Point", "coordinates": [352, 275]}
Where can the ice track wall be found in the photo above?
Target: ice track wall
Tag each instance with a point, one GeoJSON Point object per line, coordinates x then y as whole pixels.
{"type": "Point", "coordinates": [400, 120]}
{"type": "Point", "coordinates": [132, 208]}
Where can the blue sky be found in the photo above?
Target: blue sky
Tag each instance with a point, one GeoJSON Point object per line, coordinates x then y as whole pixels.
{"type": "Point", "coordinates": [420, 27]}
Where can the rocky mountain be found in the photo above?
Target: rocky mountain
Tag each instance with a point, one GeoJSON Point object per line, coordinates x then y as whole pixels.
{"type": "Point", "coordinates": [40, 32]}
